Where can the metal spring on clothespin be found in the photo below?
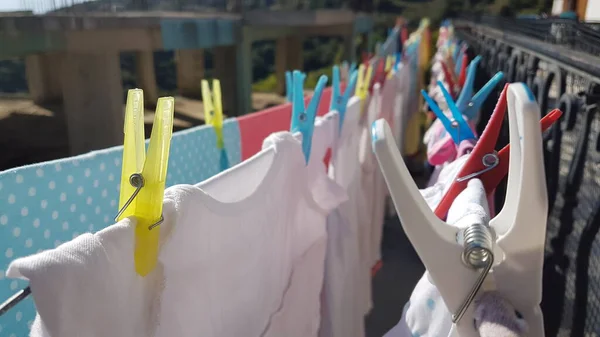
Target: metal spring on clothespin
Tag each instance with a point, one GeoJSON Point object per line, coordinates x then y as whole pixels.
{"type": "Point", "coordinates": [478, 241]}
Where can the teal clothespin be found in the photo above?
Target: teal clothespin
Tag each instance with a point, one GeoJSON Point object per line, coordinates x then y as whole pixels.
{"type": "Point", "coordinates": [467, 90]}
{"type": "Point", "coordinates": [456, 51]}
{"type": "Point", "coordinates": [288, 86]}
{"type": "Point", "coordinates": [303, 119]}
{"type": "Point", "coordinates": [353, 68]}
{"type": "Point", "coordinates": [339, 102]}
{"type": "Point", "coordinates": [458, 64]}
{"type": "Point", "coordinates": [471, 107]}
{"type": "Point", "coordinates": [457, 127]}
{"type": "Point", "coordinates": [397, 60]}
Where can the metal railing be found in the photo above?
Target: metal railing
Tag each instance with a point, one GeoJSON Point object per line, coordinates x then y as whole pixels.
{"type": "Point", "coordinates": [571, 274]}
{"type": "Point", "coordinates": [575, 35]}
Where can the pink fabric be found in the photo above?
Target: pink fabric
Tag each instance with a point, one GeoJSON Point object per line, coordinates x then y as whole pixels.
{"type": "Point", "coordinates": [440, 147]}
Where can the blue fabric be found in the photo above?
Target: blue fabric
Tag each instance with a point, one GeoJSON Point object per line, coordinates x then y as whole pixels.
{"type": "Point", "coordinates": [46, 204]}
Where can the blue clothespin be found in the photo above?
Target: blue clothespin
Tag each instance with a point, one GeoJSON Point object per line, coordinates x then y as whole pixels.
{"type": "Point", "coordinates": [397, 60]}
{"type": "Point", "coordinates": [467, 90]}
{"type": "Point", "coordinates": [339, 102]}
{"type": "Point", "coordinates": [303, 119]}
{"type": "Point", "coordinates": [353, 68]}
{"type": "Point", "coordinates": [470, 107]}
{"type": "Point", "coordinates": [458, 63]}
{"type": "Point", "coordinates": [288, 86]}
{"type": "Point", "coordinates": [457, 127]}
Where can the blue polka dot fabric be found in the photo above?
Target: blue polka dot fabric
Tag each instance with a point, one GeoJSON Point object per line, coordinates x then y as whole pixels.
{"type": "Point", "coordinates": [46, 204]}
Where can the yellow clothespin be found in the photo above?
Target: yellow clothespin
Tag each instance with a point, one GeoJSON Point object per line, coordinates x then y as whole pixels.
{"type": "Point", "coordinates": [362, 84]}
{"type": "Point", "coordinates": [143, 177]}
{"type": "Point", "coordinates": [364, 81]}
{"type": "Point", "coordinates": [213, 109]}
{"type": "Point", "coordinates": [388, 63]}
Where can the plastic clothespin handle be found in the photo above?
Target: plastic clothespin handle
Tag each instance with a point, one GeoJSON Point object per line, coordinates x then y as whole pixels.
{"type": "Point", "coordinates": [289, 87]}
{"type": "Point", "coordinates": [486, 145]}
{"type": "Point", "coordinates": [134, 148]}
{"type": "Point", "coordinates": [449, 78]}
{"type": "Point", "coordinates": [479, 98]}
{"type": "Point", "coordinates": [458, 64]}
{"type": "Point", "coordinates": [339, 102]}
{"type": "Point", "coordinates": [467, 86]}
{"type": "Point", "coordinates": [458, 128]}
{"type": "Point", "coordinates": [303, 119]}
{"type": "Point", "coordinates": [463, 70]}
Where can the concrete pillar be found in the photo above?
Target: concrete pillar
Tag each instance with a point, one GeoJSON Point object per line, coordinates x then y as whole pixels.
{"type": "Point", "coordinates": [226, 72]}
{"type": "Point", "coordinates": [350, 47]}
{"type": "Point", "coordinates": [288, 56]}
{"type": "Point", "coordinates": [243, 52]}
{"type": "Point", "coordinates": [145, 75]}
{"type": "Point", "coordinates": [190, 71]}
{"type": "Point", "coordinates": [93, 100]}
{"type": "Point", "coordinates": [43, 72]}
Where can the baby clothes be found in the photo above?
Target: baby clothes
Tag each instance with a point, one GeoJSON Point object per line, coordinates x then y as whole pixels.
{"type": "Point", "coordinates": [242, 243]}
{"type": "Point", "coordinates": [88, 286]}
{"type": "Point", "coordinates": [426, 314]}
{"type": "Point", "coordinates": [343, 293]}
{"type": "Point", "coordinates": [233, 251]}
{"type": "Point", "coordinates": [46, 204]}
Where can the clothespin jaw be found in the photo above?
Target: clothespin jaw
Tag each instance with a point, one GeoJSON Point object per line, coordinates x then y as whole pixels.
{"type": "Point", "coordinates": [467, 87]}
{"type": "Point", "coordinates": [458, 128]}
{"type": "Point", "coordinates": [213, 109]}
{"type": "Point", "coordinates": [143, 180]}
{"type": "Point", "coordinates": [288, 86]}
{"type": "Point", "coordinates": [339, 102]}
{"type": "Point", "coordinates": [303, 119]}
{"type": "Point", "coordinates": [474, 105]}
{"type": "Point", "coordinates": [515, 244]}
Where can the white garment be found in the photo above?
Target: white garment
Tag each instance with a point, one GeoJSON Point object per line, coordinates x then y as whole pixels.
{"type": "Point", "coordinates": [426, 314]}
{"type": "Point", "coordinates": [88, 287]}
{"type": "Point", "coordinates": [241, 257]}
{"type": "Point", "coordinates": [300, 312]}
{"type": "Point", "coordinates": [242, 254]}
{"type": "Point", "coordinates": [343, 294]}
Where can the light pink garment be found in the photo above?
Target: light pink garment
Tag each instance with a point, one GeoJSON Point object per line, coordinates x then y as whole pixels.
{"type": "Point", "coordinates": [440, 147]}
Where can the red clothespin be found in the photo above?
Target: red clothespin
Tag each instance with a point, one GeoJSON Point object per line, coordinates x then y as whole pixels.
{"type": "Point", "coordinates": [449, 78]}
{"type": "Point", "coordinates": [379, 76]}
{"type": "Point", "coordinates": [463, 70]}
{"type": "Point", "coordinates": [484, 163]}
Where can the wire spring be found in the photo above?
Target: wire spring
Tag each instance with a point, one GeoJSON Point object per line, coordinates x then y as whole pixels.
{"type": "Point", "coordinates": [478, 242]}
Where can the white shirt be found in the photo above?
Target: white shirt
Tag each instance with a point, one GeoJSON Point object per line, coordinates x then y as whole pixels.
{"type": "Point", "coordinates": [88, 287]}
{"type": "Point", "coordinates": [244, 244]}
{"type": "Point", "coordinates": [300, 313]}
{"type": "Point", "coordinates": [344, 289]}
{"type": "Point", "coordinates": [241, 254]}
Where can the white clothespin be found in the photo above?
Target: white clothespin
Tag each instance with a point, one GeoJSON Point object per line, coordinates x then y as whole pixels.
{"type": "Point", "coordinates": [515, 236]}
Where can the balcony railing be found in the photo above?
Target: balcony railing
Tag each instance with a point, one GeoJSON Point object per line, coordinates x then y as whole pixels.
{"type": "Point", "coordinates": [576, 35]}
